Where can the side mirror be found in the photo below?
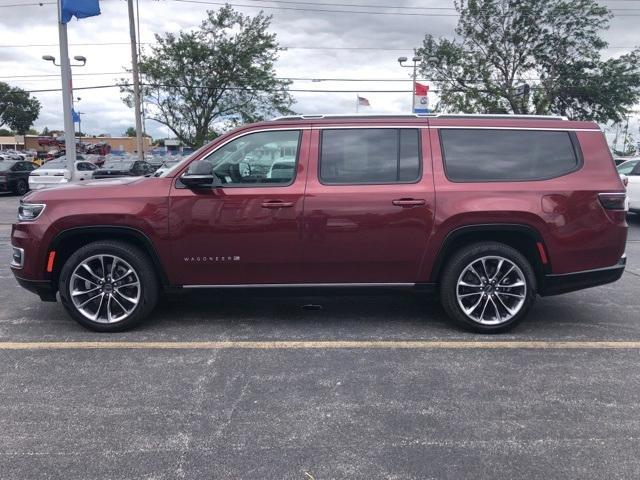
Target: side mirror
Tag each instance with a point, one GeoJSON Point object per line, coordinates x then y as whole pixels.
{"type": "Point", "coordinates": [200, 175]}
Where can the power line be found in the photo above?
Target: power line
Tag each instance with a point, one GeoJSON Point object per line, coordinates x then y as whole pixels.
{"type": "Point", "coordinates": [292, 47]}
{"type": "Point", "coordinates": [208, 2]}
{"type": "Point", "coordinates": [39, 4]}
{"type": "Point", "coordinates": [244, 89]}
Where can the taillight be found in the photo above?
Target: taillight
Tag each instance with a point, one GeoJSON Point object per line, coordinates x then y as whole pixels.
{"type": "Point", "coordinates": [614, 201]}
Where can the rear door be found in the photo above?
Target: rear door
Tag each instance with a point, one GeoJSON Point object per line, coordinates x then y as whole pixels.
{"type": "Point", "coordinates": [369, 204]}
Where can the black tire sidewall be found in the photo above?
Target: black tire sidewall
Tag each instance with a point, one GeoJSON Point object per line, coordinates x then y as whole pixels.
{"type": "Point", "coordinates": [460, 260]}
{"type": "Point", "coordinates": [18, 191]}
{"type": "Point", "coordinates": [140, 263]}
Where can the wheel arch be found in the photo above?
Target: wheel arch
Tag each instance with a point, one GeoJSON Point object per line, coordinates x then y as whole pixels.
{"type": "Point", "coordinates": [68, 241]}
{"type": "Point", "coordinates": [523, 238]}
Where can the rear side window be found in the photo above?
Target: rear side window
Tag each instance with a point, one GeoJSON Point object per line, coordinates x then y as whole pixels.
{"type": "Point", "coordinates": [482, 155]}
{"type": "Point", "coordinates": [370, 156]}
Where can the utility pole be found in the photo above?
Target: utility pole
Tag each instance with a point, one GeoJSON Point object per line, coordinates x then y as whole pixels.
{"type": "Point", "coordinates": [136, 81]}
{"type": "Point", "coordinates": [65, 74]}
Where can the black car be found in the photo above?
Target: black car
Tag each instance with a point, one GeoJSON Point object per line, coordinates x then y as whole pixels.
{"type": "Point", "coordinates": [124, 168]}
{"type": "Point", "coordinates": [14, 176]}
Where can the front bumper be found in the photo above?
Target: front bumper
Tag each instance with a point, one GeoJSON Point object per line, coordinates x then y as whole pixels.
{"type": "Point", "coordinates": [43, 288]}
{"type": "Point", "coordinates": [571, 282]}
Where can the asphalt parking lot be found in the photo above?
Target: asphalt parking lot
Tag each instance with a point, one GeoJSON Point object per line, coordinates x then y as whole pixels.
{"type": "Point", "coordinates": [548, 401]}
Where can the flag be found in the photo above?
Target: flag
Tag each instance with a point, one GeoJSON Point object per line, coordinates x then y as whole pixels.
{"type": "Point", "coordinates": [75, 116]}
{"type": "Point", "coordinates": [421, 99]}
{"type": "Point", "coordinates": [363, 102]}
{"type": "Point", "coordinates": [78, 9]}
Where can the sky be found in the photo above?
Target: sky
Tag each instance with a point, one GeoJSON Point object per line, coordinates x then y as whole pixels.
{"type": "Point", "coordinates": [320, 45]}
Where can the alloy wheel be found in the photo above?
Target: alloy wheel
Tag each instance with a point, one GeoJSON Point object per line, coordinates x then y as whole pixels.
{"type": "Point", "coordinates": [491, 290]}
{"type": "Point", "coordinates": [105, 288]}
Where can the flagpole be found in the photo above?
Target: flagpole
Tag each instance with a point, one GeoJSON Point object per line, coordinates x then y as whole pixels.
{"type": "Point", "coordinates": [65, 74]}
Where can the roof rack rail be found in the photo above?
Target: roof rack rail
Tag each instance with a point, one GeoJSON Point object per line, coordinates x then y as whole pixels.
{"type": "Point", "coordinates": [321, 116]}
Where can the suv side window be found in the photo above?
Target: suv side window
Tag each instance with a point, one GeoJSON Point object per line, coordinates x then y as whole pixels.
{"type": "Point", "coordinates": [370, 156]}
{"type": "Point", "coordinates": [485, 155]}
{"type": "Point", "coordinates": [258, 159]}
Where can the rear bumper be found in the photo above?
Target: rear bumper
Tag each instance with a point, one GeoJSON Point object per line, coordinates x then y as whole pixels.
{"type": "Point", "coordinates": [570, 282]}
{"type": "Point", "coordinates": [43, 288]}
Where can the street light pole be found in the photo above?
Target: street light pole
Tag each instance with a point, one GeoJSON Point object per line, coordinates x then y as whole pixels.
{"type": "Point", "coordinates": [415, 61]}
{"type": "Point", "coordinates": [136, 81]}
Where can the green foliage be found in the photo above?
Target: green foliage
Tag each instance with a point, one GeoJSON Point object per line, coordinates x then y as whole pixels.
{"type": "Point", "coordinates": [131, 132]}
{"type": "Point", "coordinates": [553, 45]}
{"type": "Point", "coordinates": [219, 74]}
{"type": "Point", "coordinates": [18, 109]}
{"type": "Point", "coordinates": [6, 133]}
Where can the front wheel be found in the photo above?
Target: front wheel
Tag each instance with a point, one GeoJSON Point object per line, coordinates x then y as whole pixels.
{"type": "Point", "coordinates": [108, 286]}
{"type": "Point", "coordinates": [21, 187]}
{"type": "Point", "coordinates": [488, 287]}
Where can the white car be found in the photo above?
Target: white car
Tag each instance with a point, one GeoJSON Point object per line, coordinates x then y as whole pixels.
{"type": "Point", "coordinates": [52, 173]}
{"type": "Point", "coordinates": [631, 169]}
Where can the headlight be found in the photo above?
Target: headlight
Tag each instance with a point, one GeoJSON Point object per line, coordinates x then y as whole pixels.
{"type": "Point", "coordinates": [29, 211]}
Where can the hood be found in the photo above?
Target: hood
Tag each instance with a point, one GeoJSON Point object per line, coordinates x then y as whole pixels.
{"type": "Point", "coordinates": [87, 189]}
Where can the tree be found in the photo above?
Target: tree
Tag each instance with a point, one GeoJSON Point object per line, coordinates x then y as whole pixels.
{"type": "Point", "coordinates": [45, 132]}
{"type": "Point", "coordinates": [18, 109]}
{"type": "Point", "coordinates": [221, 73]}
{"type": "Point", "coordinates": [553, 45]}
{"type": "Point", "coordinates": [131, 132]}
{"type": "Point", "coordinates": [6, 133]}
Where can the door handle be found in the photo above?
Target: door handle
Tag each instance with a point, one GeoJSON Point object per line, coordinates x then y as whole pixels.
{"type": "Point", "coordinates": [409, 202]}
{"type": "Point", "coordinates": [276, 204]}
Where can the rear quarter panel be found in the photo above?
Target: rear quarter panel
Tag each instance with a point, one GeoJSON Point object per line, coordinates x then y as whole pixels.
{"type": "Point", "coordinates": [577, 232]}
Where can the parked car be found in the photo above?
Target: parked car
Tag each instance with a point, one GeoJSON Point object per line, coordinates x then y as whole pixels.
{"type": "Point", "coordinates": [487, 211]}
{"type": "Point", "coordinates": [53, 173]}
{"type": "Point", "coordinates": [167, 165]}
{"type": "Point", "coordinates": [627, 167]}
{"type": "Point", "coordinates": [14, 176]}
{"type": "Point", "coordinates": [631, 171]}
{"type": "Point", "coordinates": [97, 160]}
{"type": "Point", "coordinates": [123, 168]}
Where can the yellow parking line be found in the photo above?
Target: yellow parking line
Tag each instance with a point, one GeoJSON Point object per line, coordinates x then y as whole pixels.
{"type": "Point", "coordinates": [324, 344]}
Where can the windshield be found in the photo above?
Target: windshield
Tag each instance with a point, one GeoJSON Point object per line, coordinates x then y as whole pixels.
{"type": "Point", "coordinates": [57, 163]}
{"type": "Point", "coordinates": [626, 167]}
{"type": "Point", "coordinates": [117, 165]}
{"type": "Point", "coordinates": [6, 166]}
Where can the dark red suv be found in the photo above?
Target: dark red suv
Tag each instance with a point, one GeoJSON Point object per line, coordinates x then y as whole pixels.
{"type": "Point", "coordinates": [489, 211]}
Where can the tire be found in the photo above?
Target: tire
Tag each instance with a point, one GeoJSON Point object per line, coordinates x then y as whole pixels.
{"type": "Point", "coordinates": [126, 298]}
{"type": "Point", "coordinates": [504, 302]}
{"type": "Point", "coordinates": [21, 187]}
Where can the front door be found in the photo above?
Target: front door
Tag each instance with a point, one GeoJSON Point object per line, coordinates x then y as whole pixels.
{"type": "Point", "coordinates": [248, 230]}
{"type": "Point", "coordinates": [369, 206]}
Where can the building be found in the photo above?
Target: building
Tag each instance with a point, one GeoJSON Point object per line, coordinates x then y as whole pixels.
{"type": "Point", "coordinates": [126, 144]}
{"type": "Point", "coordinates": [12, 142]}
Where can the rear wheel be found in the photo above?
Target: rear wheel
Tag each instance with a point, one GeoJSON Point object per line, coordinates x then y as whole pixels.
{"type": "Point", "coordinates": [21, 187]}
{"type": "Point", "coordinates": [108, 286]}
{"type": "Point", "coordinates": [488, 287]}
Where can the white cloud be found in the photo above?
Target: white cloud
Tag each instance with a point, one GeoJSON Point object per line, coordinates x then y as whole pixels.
{"type": "Point", "coordinates": [105, 112]}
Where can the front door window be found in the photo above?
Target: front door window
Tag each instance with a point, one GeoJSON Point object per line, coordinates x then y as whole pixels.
{"type": "Point", "coordinates": [257, 159]}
